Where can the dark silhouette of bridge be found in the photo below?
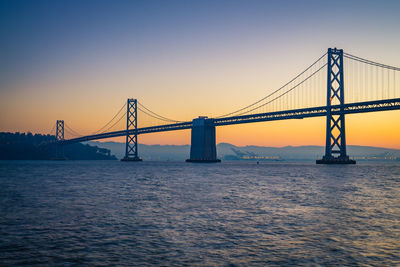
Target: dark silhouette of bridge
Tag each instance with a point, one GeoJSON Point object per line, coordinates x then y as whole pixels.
{"type": "Point", "coordinates": [372, 87]}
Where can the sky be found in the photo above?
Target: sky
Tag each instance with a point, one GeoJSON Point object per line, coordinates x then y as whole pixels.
{"type": "Point", "coordinates": [80, 60]}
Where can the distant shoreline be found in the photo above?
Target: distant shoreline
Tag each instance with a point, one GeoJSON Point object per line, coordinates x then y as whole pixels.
{"type": "Point", "coordinates": [226, 151]}
{"type": "Point", "coordinates": [28, 146]}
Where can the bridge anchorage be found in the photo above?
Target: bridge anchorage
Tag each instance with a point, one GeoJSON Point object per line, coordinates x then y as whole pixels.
{"type": "Point", "coordinates": [203, 145]}
{"type": "Point", "coordinates": [335, 124]}
{"type": "Point", "coordinates": [131, 145]}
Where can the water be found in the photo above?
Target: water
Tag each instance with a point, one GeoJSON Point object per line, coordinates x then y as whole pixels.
{"type": "Point", "coordinates": [78, 213]}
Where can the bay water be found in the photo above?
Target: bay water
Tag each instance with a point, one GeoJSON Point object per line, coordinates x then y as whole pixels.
{"type": "Point", "coordinates": [111, 213]}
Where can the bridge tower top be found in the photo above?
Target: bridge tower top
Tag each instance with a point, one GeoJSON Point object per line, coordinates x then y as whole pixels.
{"type": "Point", "coordinates": [131, 146]}
{"type": "Point", "coordinates": [60, 130]}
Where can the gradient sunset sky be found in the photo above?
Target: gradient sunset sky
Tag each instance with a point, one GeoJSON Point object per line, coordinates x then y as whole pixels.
{"type": "Point", "coordinates": [80, 60]}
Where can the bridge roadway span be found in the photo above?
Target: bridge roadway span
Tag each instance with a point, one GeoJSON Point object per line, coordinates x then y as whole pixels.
{"type": "Point", "coordinates": [359, 107]}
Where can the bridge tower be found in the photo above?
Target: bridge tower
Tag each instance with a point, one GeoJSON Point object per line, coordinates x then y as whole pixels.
{"type": "Point", "coordinates": [59, 139]}
{"type": "Point", "coordinates": [335, 122]}
{"type": "Point", "coordinates": [131, 146]}
{"type": "Point", "coordinates": [203, 145]}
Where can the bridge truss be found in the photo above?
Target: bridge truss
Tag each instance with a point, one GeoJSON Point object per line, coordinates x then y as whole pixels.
{"type": "Point", "coordinates": [373, 88]}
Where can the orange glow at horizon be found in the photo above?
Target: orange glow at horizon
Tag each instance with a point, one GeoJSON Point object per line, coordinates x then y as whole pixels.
{"type": "Point", "coordinates": [195, 59]}
{"type": "Point", "coordinates": [368, 129]}
{"type": "Point", "coordinates": [381, 129]}
{"type": "Point", "coordinates": [87, 102]}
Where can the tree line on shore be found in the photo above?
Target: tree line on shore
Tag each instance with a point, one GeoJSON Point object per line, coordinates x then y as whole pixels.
{"type": "Point", "coordinates": [28, 146]}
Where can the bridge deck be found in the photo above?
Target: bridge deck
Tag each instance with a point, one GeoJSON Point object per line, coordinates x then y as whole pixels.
{"type": "Point", "coordinates": [351, 108]}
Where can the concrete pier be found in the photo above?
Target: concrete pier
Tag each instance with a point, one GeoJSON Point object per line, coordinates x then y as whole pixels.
{"type": "Point", "coordinates": [333, 160]}
{"type": "Point", "coordinates": [203, 145]}
{"type": "Point", "coordinates": [131, 159]}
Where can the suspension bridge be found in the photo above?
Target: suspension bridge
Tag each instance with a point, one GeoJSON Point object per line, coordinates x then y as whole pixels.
{"type": "Point", "coordinates": [317, 91]}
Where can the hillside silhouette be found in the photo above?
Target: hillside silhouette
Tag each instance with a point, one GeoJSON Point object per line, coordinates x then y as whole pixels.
{"type": "Point", "coordinates": [28, 146]}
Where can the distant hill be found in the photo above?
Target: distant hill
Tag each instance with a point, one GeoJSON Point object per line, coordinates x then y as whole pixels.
{"type": "Point", "coordinates": [27, 146]}
{"type": "Point", "coordinates": [149, 152]}
{"type": "Point", "coordinates": [227, 151]}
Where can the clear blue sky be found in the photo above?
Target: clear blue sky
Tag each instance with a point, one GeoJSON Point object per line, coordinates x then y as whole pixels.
{"type": "Point", "coordinates": [47, 35]}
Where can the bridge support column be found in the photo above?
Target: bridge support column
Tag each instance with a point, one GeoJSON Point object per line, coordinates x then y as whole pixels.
{"type": "Point", "coordinates": [203, 146]}
{"type": "Point", "coordinates": [59, 139]}
{"type": "Point", "coordinates": [131, 146]}
{"type": "Point", "coordinates": [335, 123]}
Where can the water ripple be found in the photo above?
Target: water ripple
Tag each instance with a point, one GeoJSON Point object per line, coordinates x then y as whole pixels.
{"type": "Point", "coordinates": [176, 214]}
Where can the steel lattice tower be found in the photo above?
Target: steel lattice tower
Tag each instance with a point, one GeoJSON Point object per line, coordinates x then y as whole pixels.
{"type": "Point", "coordinates": [59, 139]}
{"type": "Point", "coordinates": [131, 148]}
{"type": "Point", "coordinates": [335, 121]}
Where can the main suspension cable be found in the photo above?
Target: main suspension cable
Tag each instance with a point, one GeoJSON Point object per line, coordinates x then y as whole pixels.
{"type": "Point", "coordinates": [155, 115]}
{"type": "Point", "coordinates": [52, 129]}
{"type": "Point", "coordinates": [281, 95]}
{"type": "Point", "coordinates": [366, 61]}
{"type": "Point", "coordinates": [280, 88]}
{"type": "Point", "coordinates": [99, 130]}
{"type": "Point", "coordinates": [71, 130]}
{"type": "Point", "coordinates": [115, 123]}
